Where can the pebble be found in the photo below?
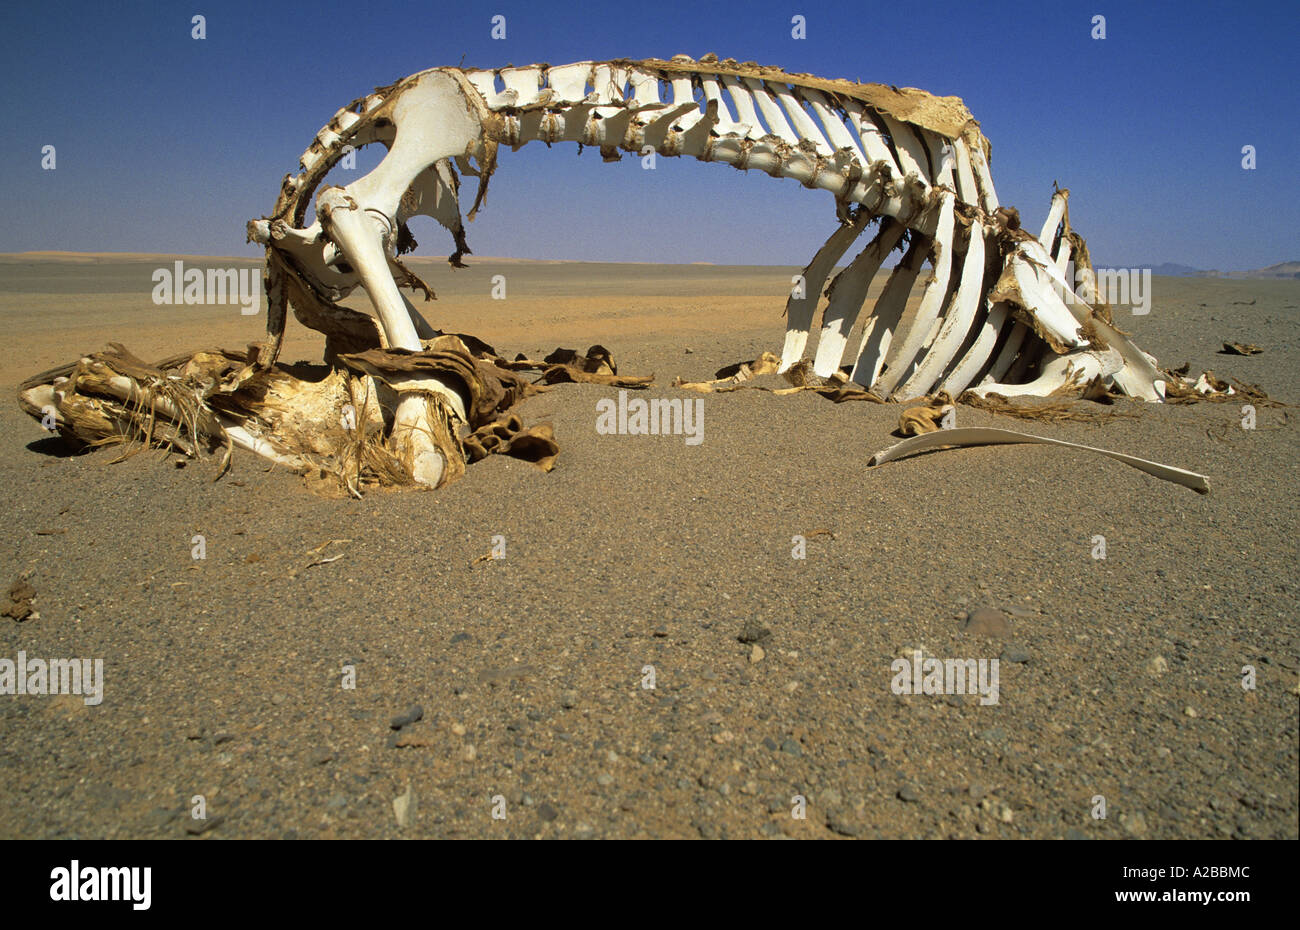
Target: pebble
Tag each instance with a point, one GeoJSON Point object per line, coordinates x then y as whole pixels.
{"type": "Point", "coordinates": [1157, 665]}
{"type": "Point", "coordinates": [1190, 711]}
{"type": "Point", "coordinates": [458, 729]}
{"type": "Point", "coordinates": [547, 812]}
{"type": "Point", "coordinates": [1015, 653]}
{"type": "Point", "coordinates": [569, 700]}
{"type": "Point", "coordinates": [909, 793]}
{"type": "Point", "coordinates": [754, 632]}
{"type": "Point", "coordinates": [836, 821]}
{"type": "Point", "coordinates": [791, 747]}
{"type": "Point", "coordinates": [1135, 824]}
{"type": "Point", "coordinates": [414, 713]}
{"type": "Point", "coordinates": [198, 827]}
{"type": "Point", "coordinates": [987, 621]}
{"type": "Point", "coordinates": [756, 654]}
{"type": "Point", "coordinates": [604, 778]}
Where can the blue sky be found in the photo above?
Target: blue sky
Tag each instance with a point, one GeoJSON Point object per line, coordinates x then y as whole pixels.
{"type": "Point", "coordinates": [168, 144]}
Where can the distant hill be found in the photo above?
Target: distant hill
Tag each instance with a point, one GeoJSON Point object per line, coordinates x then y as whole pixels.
{"type": "Point", "coordinates": [1175, 270]}
{"type": "Point", "coordinates": [1280, 270]}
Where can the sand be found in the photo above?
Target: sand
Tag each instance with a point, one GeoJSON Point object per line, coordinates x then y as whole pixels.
{"type": "Point", "coordinates": [645, 558]}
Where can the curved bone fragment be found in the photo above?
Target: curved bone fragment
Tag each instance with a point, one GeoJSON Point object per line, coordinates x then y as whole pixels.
{"type": "Point", "coordinates": [984, 436]}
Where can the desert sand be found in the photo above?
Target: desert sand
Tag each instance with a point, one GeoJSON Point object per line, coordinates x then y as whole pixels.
{"type": "Point", "coordinates": [644, 558]}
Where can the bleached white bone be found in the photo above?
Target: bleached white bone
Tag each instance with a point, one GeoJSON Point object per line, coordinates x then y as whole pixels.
{"type": "Point", "coordinates": [977, 356]}
{"type": "Point", "coordinates": [743, 101]}
{"type": "Point", "coordinates": [873, 142]}
{"type": "Point", "coordinates": [984, 436]}
{"type": "Point", "coordinates": [525, 82]}
{"type": "Point", "coordinates": [911, 153]}
{"type": "Point", "coordinates": [826, 135]}
{"type": "Point", "coordinates": [943, 158]}
{"type": "Point", "coordinates": [1010, 349]}
{"type": "Point", "coordinates": [725, 125]}
{"type": "Point", "coordinates": [772, 115]}
{"type": "Point", "coordinates": [1054, 215]}
{"type": "Point", "coordinates": [645, 88]}
{"type": "Point", "coordinates": [569, 82]}
{"type": "Point", "coordinates": [1059, 371]}
{"type": "Point", "coordinates": [799, 310]}
{"type": "Point", "coordinates": [878, 331]}
{"type": "Point", "coordinates": [846, 295]}
{"type": "Point", "coordinates": [967, 190]}
{"type": "Point", "coordinates": [838, 134]}
{"type": "Point", "coordinates": [984, 180]}
{"type": "Point", "coordinates": [957, 323]}
{"type": "Point", "coordinates": [800, 120]}
{"type": "Point", "coordinates": [932, 295]}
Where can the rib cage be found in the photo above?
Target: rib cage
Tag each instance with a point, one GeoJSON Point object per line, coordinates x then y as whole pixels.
{"type": "Point", "coordinates": [993, 314]}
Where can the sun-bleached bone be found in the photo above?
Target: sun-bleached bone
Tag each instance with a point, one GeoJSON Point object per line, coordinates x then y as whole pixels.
{"type": "Point", "coordinates": [984, 436]}
{"type": "Point", "coordinates": [977, 356]}
{"type": "Point", "coordinates": [1054, 216]}
{"type": "Point", "coordinates": [906, 349]}
{"type": "Point", "coordinates": [801, 305]}
{"type": "Point", "coordinates": [743, 100]}
{"type": "Point", "coordinates": [836, 131]}
{"type": "Point", "coordinates": [912, 158]}
{"type": "Point", "coordinates": [1074, 369]}
{"type": "Point", "coordinates": [847, 293]}
{"type": "Point", "coordinates": [878, 331]}
{"type": "Point", "coordinates": [957, 322]}
{"type": "Point", "coordinates": [967, 189]}
{"type": "Point", "coordinates": [525, 83]}
{"type": "Point", "coordinates": [869, 134]}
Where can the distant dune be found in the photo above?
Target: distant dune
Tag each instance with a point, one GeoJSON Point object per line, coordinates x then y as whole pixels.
{"type": "Point", "coordinates": [1174, 270]}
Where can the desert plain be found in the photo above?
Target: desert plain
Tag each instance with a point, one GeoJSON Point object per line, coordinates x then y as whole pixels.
{"type": "Point", "coordinates": [649, 659]}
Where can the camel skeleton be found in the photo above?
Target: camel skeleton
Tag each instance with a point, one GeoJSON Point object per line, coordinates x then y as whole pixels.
{"type": "Point", "coordinates": [907, 170]}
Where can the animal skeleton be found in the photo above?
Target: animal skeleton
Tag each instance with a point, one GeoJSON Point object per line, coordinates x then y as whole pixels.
{"type": "Point", "coordinates": [995, 314]}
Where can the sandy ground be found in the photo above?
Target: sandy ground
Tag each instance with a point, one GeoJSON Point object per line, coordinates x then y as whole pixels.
{"type": "Point", "coordinates": [1120, 678]}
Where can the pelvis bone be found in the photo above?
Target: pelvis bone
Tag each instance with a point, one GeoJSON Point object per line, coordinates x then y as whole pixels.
{"type": "Point", "coordinates": [907, 170]}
